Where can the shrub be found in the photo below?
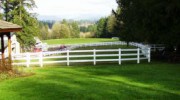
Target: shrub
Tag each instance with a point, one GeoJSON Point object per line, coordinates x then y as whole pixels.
{"type": "Point", "coordinates": [5, 65]}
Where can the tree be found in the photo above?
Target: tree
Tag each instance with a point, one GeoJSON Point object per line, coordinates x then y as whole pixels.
{"type": "Point", "coordinates": [83, 29]}
{"type": "Point", "coordinates": [111, 22]}
{"type": "Point", "coordinates": [149, 21]}
{"type": "Point", "coordinates": [92, 28]}
{"type": "Point", "coordinates": [60, 31]}
{"type": "Point", "coordinates": [105, 27]}
{"type": "Point", "coordinates": [1, 7]}
{"type": "Point", "coordinates": [101, 27]}
{"type": "Point", "coordinates": [16, 11]}
{"type": "Point", "coordinates": [64, 21]}
{"type": "Point", "coordinates": [44, 31]}
{"type": "Point", "coordinates": [75, 30]}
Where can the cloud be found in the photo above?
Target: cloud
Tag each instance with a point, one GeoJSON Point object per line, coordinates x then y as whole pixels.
{"type": "Point", "coordinates": [75, 7]}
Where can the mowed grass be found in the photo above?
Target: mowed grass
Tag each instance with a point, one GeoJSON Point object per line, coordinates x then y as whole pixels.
{"type": "Point", "coordinates": [152, 81]}
{"type": "Point", "coordinates": [106, 47]}
{"type": "Point", "coordinates": [78, 40]}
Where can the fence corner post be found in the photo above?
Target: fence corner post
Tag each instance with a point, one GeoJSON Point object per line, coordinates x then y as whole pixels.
{"type": "Point", "coordinates": [149, 55]}
{"type": "Point", "coordinates": [119, 56]}
{"type": "Point", "coordinates": [67, 57]}
{"type": "Point", "coordinates": [138, 55]}
{"type": "Point", "coordinates": [27, 60]}
{"type": "Point", "coordinates": [41, 59]}
{"type": "Point", "coordinates": [94, 56]}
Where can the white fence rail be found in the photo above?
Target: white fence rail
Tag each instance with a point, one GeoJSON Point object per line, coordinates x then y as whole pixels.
{"type": "Point", "coordinates": [153, 47]}
{"type": "Point", "coordinates": [74, 46]}
{"type": "Point", "coordinates": [73, 56]}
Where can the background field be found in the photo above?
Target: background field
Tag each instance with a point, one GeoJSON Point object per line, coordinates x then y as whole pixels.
{"type": "Point", "coordinates": [78, 40]}
{"type": "Point", "coordinates": [155, 81]}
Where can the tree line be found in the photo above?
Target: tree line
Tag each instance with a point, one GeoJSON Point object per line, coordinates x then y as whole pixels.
{"type": "Point", "coordinates": [103, 28]}
{"type": "Point", "coordinates": [59, 29]}
{"type": "Point", "coordinates": [147, 21]}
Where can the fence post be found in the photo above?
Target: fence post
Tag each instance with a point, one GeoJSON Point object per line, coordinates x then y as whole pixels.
{"type": "Point", "coordinates": [119, 56]}
{"type": "Point", "coordinates": [28, 60]}
{"type": "Point", "coordinates": [138, 55]}
{"type": "Point", "coordinates": [149, 55]}
{"type": "Point", "coordinates": [41, 59]}
{"type": "Point", "coordinates": [94, 55]}
{"type": "Point", "coordinates": [68, 57]}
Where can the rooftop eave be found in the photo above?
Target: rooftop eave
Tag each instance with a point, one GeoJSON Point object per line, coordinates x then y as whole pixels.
{"type": "Point", "coordinates": [10, 30]}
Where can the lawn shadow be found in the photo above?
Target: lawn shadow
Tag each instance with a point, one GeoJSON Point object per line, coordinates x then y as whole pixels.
{"type": "Point", "coordinates": [147, 81]}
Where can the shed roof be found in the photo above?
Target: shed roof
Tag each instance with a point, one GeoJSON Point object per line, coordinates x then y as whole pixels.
{"type": "Point", "coordinates": [9, 27]}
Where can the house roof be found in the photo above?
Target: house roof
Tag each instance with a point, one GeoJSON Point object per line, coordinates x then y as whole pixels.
{"type": "Point", "coordinates": [8, 27]}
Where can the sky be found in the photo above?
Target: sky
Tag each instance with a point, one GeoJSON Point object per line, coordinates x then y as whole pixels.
{"type": "Point", "coordinates": [74, 9]}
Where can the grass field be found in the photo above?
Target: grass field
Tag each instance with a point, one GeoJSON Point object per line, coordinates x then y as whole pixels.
{"type": "Point", "coordinates": [154, 81]}
{"type": "Point", "coordinates": [78, 40]}
{"type": "Point", "coordinates": [106, 47]}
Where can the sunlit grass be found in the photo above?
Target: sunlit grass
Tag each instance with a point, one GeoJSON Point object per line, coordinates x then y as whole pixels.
{"type": "Point", "coordinates": [79, 40]}
{"type": "Point", "coordinates": [155, 81]}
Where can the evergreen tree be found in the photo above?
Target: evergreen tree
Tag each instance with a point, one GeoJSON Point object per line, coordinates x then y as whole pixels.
{"type": "Point", "coordinates": [1, 8]}
{"type": "Point", "coordinates": [16, 11]}
{"type": "Point", "coordinates": [75, 30]}
{"type": "Point", "coordinates": [101, 28]}
{"type": "Point", "coordinates": [111, 22]}
{"type": "Point", "coordinates": [150, 21]}
{"type": "Point", "coordinates": [92, 28]}
{"type": "Point", "coordinates": [44, 31]}
{"type": "Point", "coordinates": [60, 30]}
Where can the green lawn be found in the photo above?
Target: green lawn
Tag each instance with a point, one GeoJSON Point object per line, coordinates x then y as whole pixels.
{"type": "Point", "coordinates": [78, 40]}
{"type": "Point", "coordinates": [153, 81]}
{"type": "Point", "coordinates": [106, 47]}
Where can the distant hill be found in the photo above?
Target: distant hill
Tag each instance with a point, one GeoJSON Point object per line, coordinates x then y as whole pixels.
{"type": "Point", "coordinates": [81, 23]}
{"type": "Point", "coordinates": [77, 18]}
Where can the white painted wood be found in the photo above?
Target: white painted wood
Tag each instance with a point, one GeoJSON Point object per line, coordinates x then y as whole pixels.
{"type": "Point", "coordinates": [82, 60]}
{"type": "Point", "coordinates": [28, 60]}
{"type": "Point", "coordinates": [51, 57]}
{"type": "Point", "coordinates": [149, 55]}
{"type": "Point", "coordinates": [79, 51]}
{"type": "Point", "coordinates": [78, 56]}
{"type": "Point", "coordinates": [120, 56]}
{"type": "Point", "coordinates": [138, 56]}
{"type": "Point", "coordinates": [98, 60]}
{"type": "Point", "coordinates": [45, 58]}
{"type": "Point", "coordinates": [107, 50]}
{"type": "Point", "coordinates": [128, 59]}
{"type": "Point", "coordinates": [106, 55]}
{"type": "Point", "coordinates": [41, 59]}
{"type": "Point", "coordinates": [68, 57]}
{"type": "Point", "coordinates": [94, 54]}
{"type": "Point", "coordinates": [131, 54]}
{"type": "Point", "coordinates": [129, 49]}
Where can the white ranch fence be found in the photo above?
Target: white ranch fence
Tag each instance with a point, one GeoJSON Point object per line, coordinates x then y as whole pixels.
{"type": "Point", "coordinates": [74, 46]}
{"type": "Point", "coordinates": [143, 47]}
{"type": "Point", "coordinates": [153, 47]}
{"type": "Point", "coordinates": [74, 56]}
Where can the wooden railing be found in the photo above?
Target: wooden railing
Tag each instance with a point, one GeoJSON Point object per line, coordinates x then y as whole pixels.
{"type": "Point", "coordinates": [74, 56]}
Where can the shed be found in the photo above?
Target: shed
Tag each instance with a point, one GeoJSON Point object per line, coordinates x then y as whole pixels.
{"type": "Point", "coordinates": [5, 30]}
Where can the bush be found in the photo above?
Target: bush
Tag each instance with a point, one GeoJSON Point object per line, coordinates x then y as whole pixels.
{"type": "Point", "coordinates": [86, 35]}
{"type": "Point", "coordinates": [3, 76]}
{"type": "Point", "coordinates": [5, 65]}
